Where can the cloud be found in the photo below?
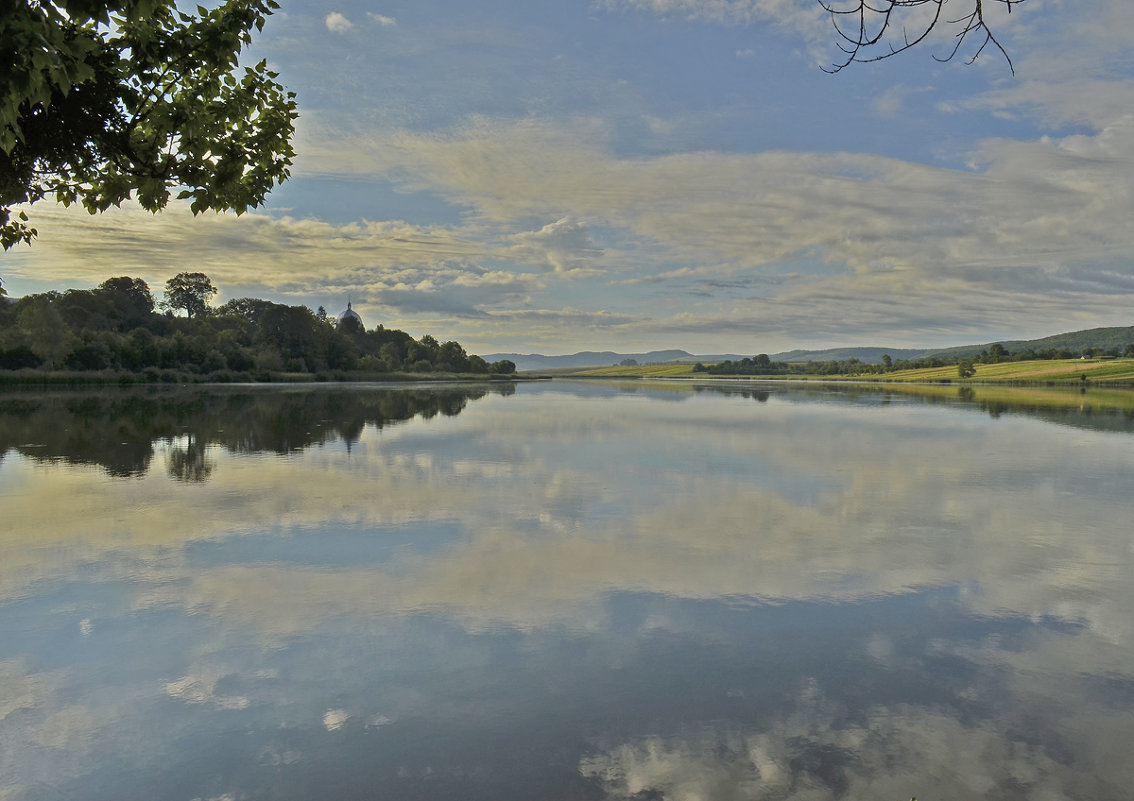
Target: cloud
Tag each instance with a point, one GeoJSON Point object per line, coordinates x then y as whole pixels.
{"type": "Point", "coordinates": [821, 753]}
{"type": "Point", "coordinates": [829, 245]}
{"type": "Point", "coordinates": [565, 245]}
{"type": "Point", "coordinates": [802, 18]}
{"type": "Point", "coordinates": [337, 23]}
{"type": "Point", "coordinates": [859, 537]}
{"type": "Point", "coordinates": [842, 521]}
{"type": "Point", "coordinates": [462, 290]}
{"type": "Point", "coordinates": [381, 19]}
{"type": "Point", "coordinates": [1027, 204]}
{"type": "Point", "coordinates": [296, 257]}
{"type": "Point", "coordinates": [1023, 212]}
{"type": "Point", "coordinates": [891, 101]}
{"type": "Point", "coordinates": [202, 690]}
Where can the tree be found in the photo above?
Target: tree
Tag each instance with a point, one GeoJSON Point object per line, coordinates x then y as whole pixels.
{"type": "Point", "coordinates": [189, 291]}
{"type": "Point", "coordinates": [107, 99]}
{"type": "Point", "coordinates": [48, 334]}
{"type": "Point", "coordinates": [867, 29]}
{"type": "Point", "coordinates": [965, 369]}
{"type": "Point", "coordinates": [130, 298]}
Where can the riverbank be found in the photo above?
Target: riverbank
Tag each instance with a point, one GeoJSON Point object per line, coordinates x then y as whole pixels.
{"type": "Point", "coordinates": [1040, 372]}
{"type": "Point", "coordinates": [95, 378]}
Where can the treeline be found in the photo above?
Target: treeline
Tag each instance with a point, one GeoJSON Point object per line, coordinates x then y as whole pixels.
{"type": "Point", "coordinates": [994, 354]}
{"type": "Point", "coordinates": [118, 327]}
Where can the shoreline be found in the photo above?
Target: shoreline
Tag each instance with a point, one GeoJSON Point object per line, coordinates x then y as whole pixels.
{"type": "Point", "coordinates": [17, 379]}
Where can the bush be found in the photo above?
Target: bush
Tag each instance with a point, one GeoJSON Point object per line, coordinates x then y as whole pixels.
{"type": "Point", "coordinates": [19, 358]}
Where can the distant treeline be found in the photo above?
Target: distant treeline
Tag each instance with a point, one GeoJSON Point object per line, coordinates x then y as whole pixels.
{"type": "Point", "coordinates": [994, 354]}
{"type": "Point", "coordinates": [117, 327]}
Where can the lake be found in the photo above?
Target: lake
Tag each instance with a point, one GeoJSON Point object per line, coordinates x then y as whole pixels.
{"type": "Point", "coordinates": [557, 590]}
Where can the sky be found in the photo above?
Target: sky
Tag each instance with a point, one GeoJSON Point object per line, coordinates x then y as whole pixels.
{"type": "Point", "coordinates": [550, 176]}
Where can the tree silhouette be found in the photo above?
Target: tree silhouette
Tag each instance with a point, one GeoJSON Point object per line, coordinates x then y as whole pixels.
{"type": "Point", "coordinates": [189, 291]}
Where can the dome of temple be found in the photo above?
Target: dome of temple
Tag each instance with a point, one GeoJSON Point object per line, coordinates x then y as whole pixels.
{"type": "Point", "coordinates": [349, 314]}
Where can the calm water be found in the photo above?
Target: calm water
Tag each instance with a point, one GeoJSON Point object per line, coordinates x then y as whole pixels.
{"type": "Point", "coordinates": [565, 591]}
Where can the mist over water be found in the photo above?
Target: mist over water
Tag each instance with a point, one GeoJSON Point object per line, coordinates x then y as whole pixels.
{"type": "Point", "coordinates": [566, 591]}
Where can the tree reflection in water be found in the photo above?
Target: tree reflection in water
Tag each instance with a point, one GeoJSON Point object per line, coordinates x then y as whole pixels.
{"type": "Point", "coordinates": [117, 429]}
{"type": "Point", "coordinates": [189, 463]}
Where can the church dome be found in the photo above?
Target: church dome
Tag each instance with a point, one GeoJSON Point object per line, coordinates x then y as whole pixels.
{"type": "Point", "coordinates": [350, 314]}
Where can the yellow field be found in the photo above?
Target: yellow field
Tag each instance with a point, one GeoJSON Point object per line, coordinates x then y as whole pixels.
{"type": "Point", "coordinates": [1067, 396]}
{"type": "Point", "coordinates": [1065, 371]}
{"type": "Point", "coordinates": [640, 371]}
{"type": "Point", "coordinates": [1096, 371]}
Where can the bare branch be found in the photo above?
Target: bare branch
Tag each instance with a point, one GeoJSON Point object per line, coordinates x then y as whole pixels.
{"type": "Point", "coordinates": [864, 29]}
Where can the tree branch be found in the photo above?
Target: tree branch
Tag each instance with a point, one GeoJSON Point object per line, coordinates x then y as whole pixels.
{"type": "Point", "coordinates": [869, 37]}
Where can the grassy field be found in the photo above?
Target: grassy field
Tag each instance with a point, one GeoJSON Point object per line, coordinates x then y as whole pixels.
{"type": "Point", "coordinates": [1041, 372]}
{"type": "Point", "coordinates": [638, 371]}
{"type": "Point", "coordinates": [1066, 396]}
{"type": "Point", "coordinates": [1059, 371]}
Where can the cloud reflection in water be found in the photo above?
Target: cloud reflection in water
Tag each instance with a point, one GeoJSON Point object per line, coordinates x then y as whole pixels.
{"type": "Point", "coordinates": [706, 599]}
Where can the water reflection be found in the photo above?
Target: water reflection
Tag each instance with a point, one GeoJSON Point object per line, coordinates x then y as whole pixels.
{"type": "Point", "coordinates": [117, 430]}
{"type": "Point", "coordinates": [573, 592]}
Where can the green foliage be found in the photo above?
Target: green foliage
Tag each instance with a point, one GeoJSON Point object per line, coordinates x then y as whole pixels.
{"type": "Point", "coordinates": [115, 328]}
{"type": "Point", "coordinates": [757, 365]}
{"type": "Point", "coordinates": [965, 369]}
{"type": "Point", "coordinates": [189, 291]}
{"type": "Point", "coordinates": [107, 99]}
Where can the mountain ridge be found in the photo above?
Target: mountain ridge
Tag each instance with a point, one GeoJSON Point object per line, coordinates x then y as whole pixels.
{"type": "Point", "coordinates": [1076, 341]}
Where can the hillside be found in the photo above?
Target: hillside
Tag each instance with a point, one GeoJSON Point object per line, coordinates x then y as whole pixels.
{"type": "Point", "coordinates": [1074, 341]}
{"type": "Point", "coordinates": [588, 358]}
{"type": "Point", "coordinates": [868, 355]}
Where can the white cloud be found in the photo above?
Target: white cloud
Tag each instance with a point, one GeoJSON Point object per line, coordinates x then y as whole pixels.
{"type": "Point", "coordinates": [337, 23]}
{"type": "Point", "coordinates": [1029, 205]}
{"type": "Point", "coordinates": [382, 19]}
{"type": "Point", "coordinates": [335, 719]}
{"type": "Point", "coordinates": [565, 245]}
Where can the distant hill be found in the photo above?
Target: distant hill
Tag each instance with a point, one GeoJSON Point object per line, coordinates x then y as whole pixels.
{"type": "Point", "coordinates": [587, 358]}
{"type": "Point", "coordinates": [867, 355]}
{"type": "Point", "coordinates": [1074, 341]}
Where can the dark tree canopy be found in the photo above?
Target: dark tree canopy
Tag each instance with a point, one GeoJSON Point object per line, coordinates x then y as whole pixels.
{"type": "Point", "coordinates": [872, 30]}
{"type": "Point", "coordinates": [102, 100]}
{"type": "Point", "coordinates": [114, 329]}
{"type": "Point", "coordinates": [189, 291]}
